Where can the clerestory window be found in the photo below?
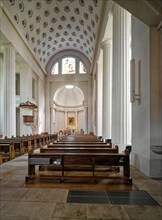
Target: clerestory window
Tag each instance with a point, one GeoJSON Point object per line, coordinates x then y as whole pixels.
{"type": "Point", "coordinates": [68, 65]}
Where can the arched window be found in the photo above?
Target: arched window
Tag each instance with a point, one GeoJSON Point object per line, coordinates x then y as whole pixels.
{"type": "Point", "coordinates": [68, 65]}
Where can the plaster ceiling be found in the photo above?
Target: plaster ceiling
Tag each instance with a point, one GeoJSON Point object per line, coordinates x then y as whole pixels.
{"type": "Point", "coordinates": [66, 97]}
{"type": "Point", "coordinates": [51, 26]}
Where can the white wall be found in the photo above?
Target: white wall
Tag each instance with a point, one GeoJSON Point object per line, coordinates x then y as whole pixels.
{"type": "Point", "coordinates": [142, 117]}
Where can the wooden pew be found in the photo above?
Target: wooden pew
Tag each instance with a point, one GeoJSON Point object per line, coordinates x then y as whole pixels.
{"type": "Point", "coordinates": [83, 144]}
{"type": "Point", "coordinates": [66, 160]}
{"type": "Point", "coordinates": [83, 149]}
{"type": "Point", "coordinates": [7, 151]}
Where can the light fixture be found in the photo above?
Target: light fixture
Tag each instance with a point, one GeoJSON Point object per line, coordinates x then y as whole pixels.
{"type": "Point", "coordinates": [133, 95]}
{"type": "Point", "coordinates": [69, 86]}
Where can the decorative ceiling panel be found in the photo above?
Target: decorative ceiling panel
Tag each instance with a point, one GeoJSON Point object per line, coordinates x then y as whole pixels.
{"type": "Point", "coordinates": [51, 26]}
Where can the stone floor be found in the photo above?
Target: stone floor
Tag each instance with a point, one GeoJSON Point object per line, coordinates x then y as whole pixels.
{"type": "Point", "coordinates": [20, 201]}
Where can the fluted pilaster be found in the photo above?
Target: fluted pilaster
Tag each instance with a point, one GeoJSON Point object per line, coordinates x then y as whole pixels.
{"type": "Point", "coordinates": [120, 77]}
{"type": "Point", "coordinates": [107, 74]}
{"type": "Point", "coordinates": [9, 91]}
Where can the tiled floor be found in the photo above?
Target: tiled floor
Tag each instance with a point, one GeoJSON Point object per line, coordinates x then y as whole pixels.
{"type": "Point", "coordinates": [19, 201]}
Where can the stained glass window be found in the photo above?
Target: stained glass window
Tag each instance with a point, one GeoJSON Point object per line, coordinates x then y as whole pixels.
{"type": "Point", "coordinates": [82, 68]}
{"type": "Point", "coordinates": [55, 69]}
{"type": "Point", "coordinates": [68, 65]}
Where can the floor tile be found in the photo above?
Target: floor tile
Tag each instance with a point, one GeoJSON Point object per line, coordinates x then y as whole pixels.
{"type": "Point", "coordinates": [136, 212]}
{"type": "Point", "coordinates": [108, 212]}
{"type": "Point", "coordinates": [69, 210]}
{"type": "Point", "coordinates": [28, 209]}
{"type": "Point", "coordinates": [12, 194]}
{"type": "Point", "coordinates": [45, 195]}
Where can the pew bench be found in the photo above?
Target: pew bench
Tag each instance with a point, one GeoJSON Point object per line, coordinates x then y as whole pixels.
{"type": "Point", "coordinates": [99, 145]}
{"type": "Point", "coordinates": [69, 161]}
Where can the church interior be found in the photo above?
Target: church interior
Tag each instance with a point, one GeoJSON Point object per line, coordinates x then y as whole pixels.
{"type": "Point", "coordinates": [80, 109]}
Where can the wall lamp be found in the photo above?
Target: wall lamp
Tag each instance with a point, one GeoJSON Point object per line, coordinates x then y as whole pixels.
{"type": "Point", "coordinates": [133, 78]}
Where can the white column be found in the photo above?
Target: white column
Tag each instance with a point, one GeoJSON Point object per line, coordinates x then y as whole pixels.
{"type": "Point", "coordinates": [107, 75]}
{"type": "Point", "coordinates": [9, 91]}
{"type": "Point", "coordinates": [65, 119]}
{"type": "Point", "coordinates": [47, 106]}
{"type": "Point", "coordinates": [86, 119]}
{"type": "Point", "coordinates": [120, 81]}
{"type": "Point", "coordinates": [76, 120]}
{"type": "Point", "coordinates": [99, 93]}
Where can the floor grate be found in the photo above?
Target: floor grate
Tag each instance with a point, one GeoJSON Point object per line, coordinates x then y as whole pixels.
{"type": "Point", "coordinates": [136, 197]}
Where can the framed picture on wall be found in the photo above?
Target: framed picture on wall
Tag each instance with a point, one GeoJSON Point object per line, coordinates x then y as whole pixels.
{"type": "Point", "coordinates": [71, 121]}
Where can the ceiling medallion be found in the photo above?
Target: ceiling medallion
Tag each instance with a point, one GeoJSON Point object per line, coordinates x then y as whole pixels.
{"type": "Point", "coordinates": [90, 8]}
{"type": "Point", "coordinates": [38, 5]}
{"type": "Point", "coordinates": [16, 17]}
{"type": "Point", "coordinates": [77, 11]}
{"type": "Point", "coordinates": [45, 24]}
{"type": "Point", "coordinates": [92, 23]}
{"type": "Point", "coordinates": [38, 30]}
{"type": "Point", "coordinates": [65, 33]}
{"type": "Point", "coordinates": [43, 44]}
{"type": "Point", "coordinates": [63, 18]}
{"type": "Point", "coordinates": [81, 22]}
{"type": "Point", "coordinates": [57, 35]}
{"type": "Point", "coordinates": [12, 2]}
{"type": "Point", "coordinates": [24, 23]}
{"type": "Point", "coordinates": [33, 39]}
{"type": "Point", "coordinates": [77, 28]}
{"type": "Point", "coordinates": [53, 20]}
{"type": "Point", "coordinates": [51, 29]}
{"type": "Point", "coordinates": [30, 13]}
{"type": "Point", "coordinates": [66, 8]}
{"type": "Point", "coordinates": [85, 32]}
{"type": "Point", "coordinates": [46, 13]}
{"type": "Point", "coordinates": [81, 36]}
{"type": "Point", "coordinates": [56, 10]}
{"type": "Point", "coordinates": [38, 42]}
{"type": "Point", "coordinates": [21, 6]}
{"type": "Point", "coordinates": [44, 35]}
{"type": "Point", "coordinates": [60, 27]}
{"type": "Point", "coordinates": [48, 1]}
{"type": "Point", "coordinates": [86, 16]}
{"type": "Point", "coordinates": [31, 27]}
{"type": "Point", "coordinates": [73, 33]}
{"type": "Point", "coordinates": [49, 38]}
{"type": "Point", "coordinates": [95, 2]}
{"type": "Point", "coordinates": [27, 36]}
{"type": "Point", "coordinates": [72, 18]}
{"type": "Point", "coordinates": [69, 26]}
{"type": "Point", "coordinates": [70, 39]}
{"type": "Point", "coordinates": [38, 18]}
{"type": "Point", "coordinates": [81, 2]}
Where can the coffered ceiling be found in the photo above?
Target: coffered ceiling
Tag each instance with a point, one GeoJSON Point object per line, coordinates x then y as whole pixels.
{"type": "Point", "coordinates": [50, 26]}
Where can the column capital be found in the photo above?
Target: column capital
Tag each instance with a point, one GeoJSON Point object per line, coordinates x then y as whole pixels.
{"type": "Point", "coordinates": [8, 46]}
{"type": "Point", "coordinates": [106, 42]}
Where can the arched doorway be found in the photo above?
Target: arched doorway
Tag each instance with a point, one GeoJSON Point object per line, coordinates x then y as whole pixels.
{"type": "Point", "coordinates": [69, 112]}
